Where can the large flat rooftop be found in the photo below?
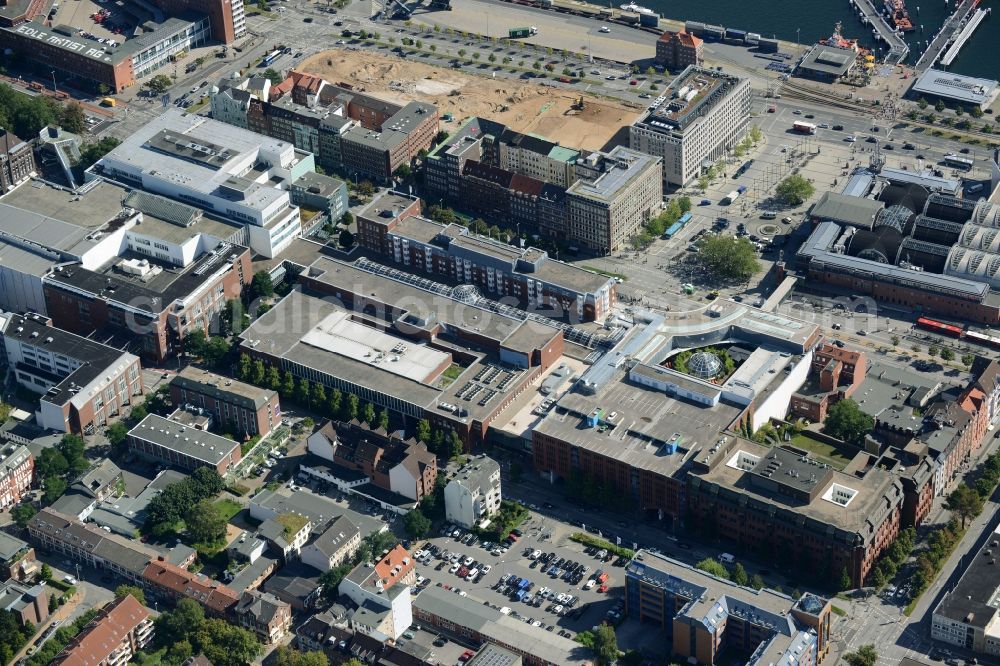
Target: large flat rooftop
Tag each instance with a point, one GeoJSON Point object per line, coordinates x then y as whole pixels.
{"type": "Point", "coordinates": [645, 421]}
{"type": "Point", "coordinates": [199, 444]}
{"type": "Point", "coordinates": [976, 597]}
{"type": "Point", "coordinates": [949, 85]}
{"type": "Point", "coordinates": [688, 97]}
{"type": "Point", "coordinates": [622, 167]}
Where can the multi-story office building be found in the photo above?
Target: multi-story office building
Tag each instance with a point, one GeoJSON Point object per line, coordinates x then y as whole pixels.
{"type": "Point", "coordinates": [121, 629]}
{"type": "Point", "coordinates": [702, 115]}
{"type": "Point", "coordinates": [235, 406]}
{"type": "Point", "coordinates": [677, 50]}
{"type": "Point", "coordinates": [967, 614]}
{"type": "Point", "coordinates": [322, 193]}
{"type": "Point", "coordinates": [227, 17]}
{"type": "Point", "coordinates": [17, 468]}
{"type": "Point", "coordinates": [392, 225]}
{"type": "Point", "coordinates": [228, 172]}
{"type": "Point", "coordinates": [473, 494]}
{"type": "Point", "coordinates": [615, 194]}
{"type": "Point", "coordinates": [84, 384]}
{"type": "Point", "coordinates": [705, 616]}
{"type": "Point", "coordinates": [17, 160]}
{"type": "Point", "coordinates": [172, 443]}
{"type": "Point", "coordinates": [117, 65]}
{"type": "Point", "coordinates": [835, 375]}
{"type": "Point", "coordinates": [367, 333]}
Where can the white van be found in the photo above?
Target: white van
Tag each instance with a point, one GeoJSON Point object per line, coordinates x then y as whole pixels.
{"type": "Point", "coordinates": [726, 558]}
{"type": "Point", "coordinates": [768, 215]}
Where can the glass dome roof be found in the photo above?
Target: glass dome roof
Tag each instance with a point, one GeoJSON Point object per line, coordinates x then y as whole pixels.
{"type": "Point", "coordinates": [704, 365]}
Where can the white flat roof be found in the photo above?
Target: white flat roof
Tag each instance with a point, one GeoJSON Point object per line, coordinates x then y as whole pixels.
{"type": "Point", "coordinates": [338, 334]}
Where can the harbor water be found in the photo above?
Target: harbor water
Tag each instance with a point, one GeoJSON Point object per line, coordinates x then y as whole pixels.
{"type": "Point", "coordinates": [815, 19]}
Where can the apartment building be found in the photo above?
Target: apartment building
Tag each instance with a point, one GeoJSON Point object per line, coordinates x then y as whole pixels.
{"type": "Point", "coordinates": [229, 172]}
{"type": "Point", "coordinates": [473, 494]}
{"type": "Point", "coordinates": [703, 615]}
{"type": "Point", "coordinates": [17, 160]}
{"type": "Point", "coordinates": [390, 225]}
{"type": "Point", "coordinates": [704, 113]}
{"type": "Point", "coordinates": [967, 616]}
{"type": "Point", "coordinates": [615, 194]}
{"type": "Point", "coordinates": [677, 50]}
{"type": "Point", "coordinates": [334, 546]}
{"type": "Point", "coordinates": [169, 581]}
{"type": "Point", "coordinates": [173, 443]}
{"type": "Point", "coordinates": [235, 406]}
{"type": "Point", "coordinates": [17, 560]}
{"type": "Point", "coordinates": [382, 592]}
{"type": "Point", "coordinates": [28, 603]}
{"type": "Point", "coordinates": [392, 464]}
{"type": "Point", "coordinates": [264, 614]}
{"type": "Point", "coordinates": [17, 468]}
{"type": "Point", "coordinates": [287, 533]}
{"type": "Point", "coordinates": [121, 629]}
{"type": "Point", "coordinates": [85, 385]}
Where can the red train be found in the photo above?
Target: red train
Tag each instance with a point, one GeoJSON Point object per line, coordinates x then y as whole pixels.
{"type": "Point", "coordinates": [957, 332]}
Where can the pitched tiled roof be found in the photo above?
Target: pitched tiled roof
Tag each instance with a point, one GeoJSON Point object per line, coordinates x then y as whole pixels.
{"type": "Point", "coordinates": [393, 566]}
{"type": "Point", "coordinates": [211, 594]}
{"type": "Point", "coordinates": [104, 634]}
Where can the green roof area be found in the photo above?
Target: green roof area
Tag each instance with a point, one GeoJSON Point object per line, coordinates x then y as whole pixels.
{"type": "Point", "coordinates": [292, 522]}
{"type": "Point", "coordinates": [564, 154]}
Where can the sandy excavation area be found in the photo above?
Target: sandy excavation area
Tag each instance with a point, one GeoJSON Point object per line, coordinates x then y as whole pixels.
{"type": "Point", "coordinates": [521, 105]}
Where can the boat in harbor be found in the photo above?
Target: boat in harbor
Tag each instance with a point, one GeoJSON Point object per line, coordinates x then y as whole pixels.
{"type": "Point", "coordinates": [639, 9]}
{"type": "Point", "coordinates": [837, 40]}
{"type": "Point", "coordinates": [898, 15]}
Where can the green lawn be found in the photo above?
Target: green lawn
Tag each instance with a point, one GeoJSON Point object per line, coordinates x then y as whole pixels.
{"type": "Point", "coordinates": [823, 452]}
{"type": "Point", "coordinates": [228, 508]}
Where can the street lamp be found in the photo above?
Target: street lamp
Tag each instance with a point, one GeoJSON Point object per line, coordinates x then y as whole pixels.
{"type": "Point", "coordinates": [54, 89]}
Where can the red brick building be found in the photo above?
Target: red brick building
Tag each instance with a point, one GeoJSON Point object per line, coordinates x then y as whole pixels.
{"type": "Point", "coordinates": [17, 469]}
{"type": "Point", "coordinates": [677, 50]}
{"type": "Point", "coordinates": [834, 375]}
{"type": "Point", "coordinates": [28, 603]}
{"type": "Point", "coordinates": [157, 315]}
{"type": "Point", "coordinates": [174, 582]}
{"type": "Point", "coordinates": [234, 406]}
{"type": "Point", "coordinates": [17, 160]}
{"type": "Point", "coordinates": [120, 629]}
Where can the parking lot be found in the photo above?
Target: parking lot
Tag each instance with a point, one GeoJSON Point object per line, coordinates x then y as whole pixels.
{"type": "Point", "coordinates": [553, 585]}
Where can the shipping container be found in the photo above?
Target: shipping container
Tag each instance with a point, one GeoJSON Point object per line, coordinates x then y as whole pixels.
{"type": "Point", "coordinates": [649, 19]}
{"type": "Point", "coordinates": [694, 27]}
{"type": "Point", "coordinates": [768, 45]}
{"type": "Point", "coordinates": [629, 17]}
{"type": "Point", "coordinates": [714, 32]}
{"type": "Point", "coordinates": [752, 38]}
{"type": "Point", "coordinates": [736, 35]}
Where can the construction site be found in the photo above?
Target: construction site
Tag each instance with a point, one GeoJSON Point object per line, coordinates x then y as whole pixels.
{"type": "Point", "coordinates": [582, 121]}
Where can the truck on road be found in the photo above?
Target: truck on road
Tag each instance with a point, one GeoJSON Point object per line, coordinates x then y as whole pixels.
{"type": "Point", "coordinates": [731, 198]}
{"type": "Point", "coordinates": [518, 33]}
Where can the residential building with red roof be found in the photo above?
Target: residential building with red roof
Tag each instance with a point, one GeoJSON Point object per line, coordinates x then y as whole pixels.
{"type": "Point", "coordinates": [677, 50]}
{"type": "Point", "coordinates": [120, 629]}
{"type": "Point", "coordinates": [176, 583]}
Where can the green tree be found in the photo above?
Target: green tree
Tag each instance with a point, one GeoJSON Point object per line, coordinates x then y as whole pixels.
{"type": "Point", "coordinates": [226, 644]}
{"type": "Point", "coordinates": [273, 76]}
{"type": "Point", "coordinates": [967, 359]}
{"type": "Point", "coordinates": [423, 430]}
{"type": "Point", "coordinates": [864, 656]}
{"type": "Point", "coordinates": [346, 239]}
{"type": "Point", "coordinates": [383, 419]}
{"type": "Point", "coordinates": [846, 421]}
{"type": "Point", "coordinates": [195, 341]}
{"type": "Point", "coordinates": [159, 84]}
{"type": "Point", "coordinates": [703, 183]}
{"type": "Point", "coordinates": [895, 340]}
{"type": "Point", "coordinates": [416, 523]}
{"type": "Point", "coordinates": [124, 590]}
{"type": "Point", "coordinates": [365, 188]}
{"type": "Point", "coordinates": [922, 103]}
{"type": "Point", "coordinates": [257, 373]}
{"type": "Point", "coordinates": [330, 580]}
{"type": "Point", "coordinates": [436, 445]}
{"type": "Point", "coordinates": [403, 171]}
{"type": "Point", "coordinates": [303, 391]}
{"type": "Point", "coordinates": [947, 354]}
{"type": "Point", "coordinates": [55, 486]}
{"type": "Point", "coordinates": [244, 367]}
{"type": "Point", "coordinates": [713, 567]}
{"type": "Point", "coordinates": [755, 134]}
{"type": "Point", "coordinates": [456, 447]}
{"type": "Point", "coordinates": [795, 189]}
{"type": "Point", "coordinates": [23, 513]}
{"type": "Point", "coordinates": [273, 378]}
{"type": "Point", "coordinates": [319, 395]}
{"type": "Point", "coordinates": [845, 580]}
{"type": "Point", "coordinates": [350, 407]}
{"type": "Point", "coordinates": [72, 118]}
{"type": "Point", "coordinates": [116, 433]}
{"type": "Point", "coordinates": [288, 385]}
{"type": "Point", "coordinates": [939, 106]}
{"type": "Point", "coordinates": [728, 257]}
{"type": "Point", "coordinates": [216, 350]}
{"type": "Point", "coordinates": [740, 576]}
{"type": "Point", "coordinates": [605, 645]}
{"type": "Point", "coordinates": [205, 522]}
{"type": "Point", "coordinates": [369, 413]}
{"type": "Point", "coordinates": [46, 573]}
{"type": "Point", "coordinates": [286, 656]}
{"type": "Point", "coordinates": [335, 399]}
{"type": "Point", "coordinates": [878, 579]}
{"type": "Point", "coordinates": [261, 286]}
{"type": "Point", "coordinates": [182, 622]}
{"type": "Point", "coordinates": [964, 502]}
{"type": "Point", "coordinates": [933, 350]}
{"type": "Point", "coordinates": [757, 582]}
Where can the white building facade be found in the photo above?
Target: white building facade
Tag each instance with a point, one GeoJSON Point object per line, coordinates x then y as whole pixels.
{"type": "Point", "coordinates": [474, 494]}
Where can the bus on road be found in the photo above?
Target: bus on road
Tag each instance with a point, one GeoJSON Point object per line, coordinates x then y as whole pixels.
{"type": "Point", "coordinates": [270, 57]}
{"type": "Point", "coordinates": [959, 161]}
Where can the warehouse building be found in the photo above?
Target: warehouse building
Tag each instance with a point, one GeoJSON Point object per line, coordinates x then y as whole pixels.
{"type": "Point", "coordinates": [953, 88]}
